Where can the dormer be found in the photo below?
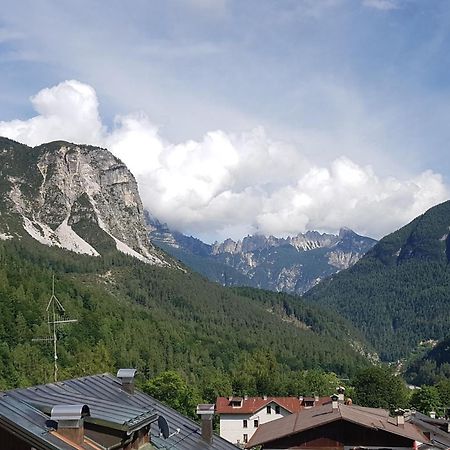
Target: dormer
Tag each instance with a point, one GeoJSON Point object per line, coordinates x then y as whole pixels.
{"type": "Point", "coordinates": [235, 402]}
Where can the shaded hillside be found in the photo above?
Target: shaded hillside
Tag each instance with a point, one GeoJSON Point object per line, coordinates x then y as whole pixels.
{"type": "Point", "coordinates": [432, 367]}
{"type": "Point", "coordinates": [398, 294]}
{"type": "Point", "coordinates": [152, 318]}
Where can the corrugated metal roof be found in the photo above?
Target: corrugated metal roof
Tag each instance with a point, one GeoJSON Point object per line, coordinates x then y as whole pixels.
{"type": "Point", "coordinates": [102, 411]}
{"type": "Point", "coordinates": [29, 424]}
{"type": "Point", "coordinates": [189, 436]}
{"type": "Point", "coordinates": [109, 402]}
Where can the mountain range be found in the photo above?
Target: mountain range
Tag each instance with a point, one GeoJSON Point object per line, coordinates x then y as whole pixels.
{"type": "Point", "coordinates": [73, 211]}
{"type": "Point", "coordinates": [292, 264]}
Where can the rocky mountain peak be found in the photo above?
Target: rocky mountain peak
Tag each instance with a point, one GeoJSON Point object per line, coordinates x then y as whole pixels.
{"type": "Point", "coordinates": [74, 196]}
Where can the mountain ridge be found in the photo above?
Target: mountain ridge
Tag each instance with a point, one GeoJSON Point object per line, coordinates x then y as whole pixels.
{"type": "Point", "coordinates": [398, 294]}
{"type": "Point", "coordinates": [293, 264]}
{"type": "Point", "coordinates": [76, 197]}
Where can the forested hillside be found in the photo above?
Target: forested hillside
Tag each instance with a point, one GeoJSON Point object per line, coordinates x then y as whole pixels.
{"type": "Point", "coordinates": [432, 367]}
{"type": "Point", "coordinates": [131, 314]}
{"type": "Point", "coordinates": [398, 294]}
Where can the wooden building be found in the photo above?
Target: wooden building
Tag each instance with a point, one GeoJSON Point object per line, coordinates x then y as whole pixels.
{"type": "Point", "coordinates": [341, 427]}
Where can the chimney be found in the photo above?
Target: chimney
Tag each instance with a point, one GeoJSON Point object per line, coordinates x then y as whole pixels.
{"type": "Point", "coordinates": [433, 414]}
{"type": "Point", "coordinates": [245, 397]}
{"type": "Point", "coordinates": [341, 393]}
{"type": "Point", "coordinates": [316, 398]}
{"type": "Point", "coordinates": [126, 376]}
{"type": "Point", "coordinates": [300, 399]}
{"type": "Point", "coordinates": [70, 419]}
{"type": "Point", "coordinates": [399, 417]}
{"type": "Point", "coordinates": [334, 402]}
{"type": "Point", "coordinates": [264, 397]}
{"type": "Point", "coordinates": [206, 413]}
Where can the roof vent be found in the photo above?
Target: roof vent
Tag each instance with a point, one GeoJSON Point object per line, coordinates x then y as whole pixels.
{"type": "Point", "coordinates": [206, 412]}
{"type": "Point", "coordinates": [127, 376]}
{"type": "Point", "coordinates": [433, 414]}
{"type": "Point", "coordinates": [70, 419]}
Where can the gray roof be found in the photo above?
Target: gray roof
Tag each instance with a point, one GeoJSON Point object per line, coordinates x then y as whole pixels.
{"type": "Point", "coordinates": [439, 437]}
{"type": "Point", "coordinates": [109, 402]}
{"type": "Point", "coordinates": [29, 424]}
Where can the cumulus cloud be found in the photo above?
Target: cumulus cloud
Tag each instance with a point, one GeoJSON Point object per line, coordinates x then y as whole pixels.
{"type": "Point", "coordinates": [228, 185]}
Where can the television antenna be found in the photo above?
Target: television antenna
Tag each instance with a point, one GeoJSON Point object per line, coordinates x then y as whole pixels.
{"type": "Point", "coordinates": [56, 316]}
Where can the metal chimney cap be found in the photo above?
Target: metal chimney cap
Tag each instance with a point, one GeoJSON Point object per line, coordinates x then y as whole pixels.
{"type": "Point", "coordinates": [69, 412]}
{"type": "Point", "coordinates": [126, 373]}
{"type": "Point", "coordinates": [205, 409]}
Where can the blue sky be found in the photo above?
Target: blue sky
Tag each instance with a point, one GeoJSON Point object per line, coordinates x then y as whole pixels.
{"type": "Point", "coordinates": [324, 84]}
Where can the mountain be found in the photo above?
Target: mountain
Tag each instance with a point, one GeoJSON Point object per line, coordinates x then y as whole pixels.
{"type": "Point", "coordinates": [292, 264]}
{"type": "Point", "coordinates": [76, 197]}
{"type": "Point", "coordinates": [73, 211]}
{"type": "Point", "coordinates": [398, 294]}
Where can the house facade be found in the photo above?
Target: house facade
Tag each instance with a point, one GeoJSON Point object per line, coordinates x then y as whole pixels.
{"type": "Point", "coordinates": [240, 417]}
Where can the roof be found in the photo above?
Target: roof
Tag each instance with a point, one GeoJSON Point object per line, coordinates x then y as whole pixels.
{"type": "Point", "coordinates": [29, 424]}
{"type": "Point", "coordinates": [440, 438]}
{"type": "Point", "coordinates": [251, 405]}
{"type": "Point", "coordinates": [107, 400]}
{"type": "Point", "coordinates": [311, 418]}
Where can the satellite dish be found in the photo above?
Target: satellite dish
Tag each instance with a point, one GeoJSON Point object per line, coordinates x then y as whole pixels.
{"type": "Point", "coordinates": [163, 427]}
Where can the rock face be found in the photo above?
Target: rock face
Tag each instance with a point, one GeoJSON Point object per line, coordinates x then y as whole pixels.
{"type": "Point", "coordinates": [76, 197]}
{"type": "Point", "coordinates": [293, 264]}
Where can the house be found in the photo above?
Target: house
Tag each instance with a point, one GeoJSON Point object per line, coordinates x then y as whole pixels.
{"type": "Point", "coordinates": [240, 417]}
{"type": "Point", "coordinates": [437, 430]}
{"type": "Point", "coordinates": [99, 412]}
{"type": "Point", "coordinates": [339, 426]}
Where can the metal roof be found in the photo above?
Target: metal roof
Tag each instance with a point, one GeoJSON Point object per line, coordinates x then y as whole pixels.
{"type": "Point", "coordinates": [28, 424]}
{"type": "Point", "coordinates": [108, 402]}
{"type": "Point", "coordinates": [189, 435]}
{"type": "Point", "coordinates": [102, 411]}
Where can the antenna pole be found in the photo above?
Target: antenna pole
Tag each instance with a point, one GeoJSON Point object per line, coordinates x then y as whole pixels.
{"type": "Point", "coordinates": [55, 316]}
{"type": "Point", "coordinates": [55, 353]}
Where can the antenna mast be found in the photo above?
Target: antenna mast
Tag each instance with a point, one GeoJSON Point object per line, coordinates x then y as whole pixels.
{"type": "Point", "coordinates": [55, 316]}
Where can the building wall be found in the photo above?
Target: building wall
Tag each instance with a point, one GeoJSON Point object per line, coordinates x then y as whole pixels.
{"type": "Point", "coordinates": [343, 436]}
{"type": "Point", "coordinates": [10, 442]}
{"type": "Point", "coordinates": [231, 425]}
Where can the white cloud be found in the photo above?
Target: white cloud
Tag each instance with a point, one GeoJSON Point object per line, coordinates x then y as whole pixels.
{"type": "Point", "coordinates": [383, 5]}
{"type": "Point", "coordinates": [230, 184]}
{"type": "Point", "coordinates": [67, 111]}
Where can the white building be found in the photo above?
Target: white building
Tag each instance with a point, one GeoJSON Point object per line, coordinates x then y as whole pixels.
{"type": "Point", "coordinates": [241, 416]}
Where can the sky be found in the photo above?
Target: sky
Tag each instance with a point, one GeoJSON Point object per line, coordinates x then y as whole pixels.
{"type": "Point", "coordinates": [243, 116]}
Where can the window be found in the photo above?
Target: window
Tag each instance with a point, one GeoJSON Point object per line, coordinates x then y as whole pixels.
{"type": "Point", "coordinates": [256, 423]}
{"type": "Point", "coordinates": [244, 423]}
{"type": "Point", "coordinates": [245, 439]}
{"type": "Point", "coordinates": [269, 409]}
{"type": "Point", "coordinates": [277, 409]}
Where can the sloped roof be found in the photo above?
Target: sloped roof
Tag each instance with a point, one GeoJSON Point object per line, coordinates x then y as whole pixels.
{"type": "Point", "coordinates": [251, 405]}
{"type": "Point", "coordinates": [28, 424]}
{"type": "Point", "coordinates": [437, 427]}
{"type": "Point", "coordinates": [109, 402]}
{"type": "Point", "coordinates": [311, 418]}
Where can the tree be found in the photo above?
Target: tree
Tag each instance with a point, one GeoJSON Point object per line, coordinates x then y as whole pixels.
{"type": "Point", "coordinates": [426, 399]}
{"type": "Point", "coordinates": [379, 387]}
{"type": "Point", "coordinates": [170, 388]}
